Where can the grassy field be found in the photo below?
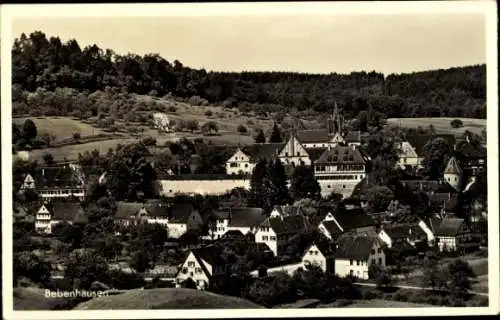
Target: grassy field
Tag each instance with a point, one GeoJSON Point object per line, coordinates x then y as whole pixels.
{"type": "Point", "coordinates": [375, 303]}
{"type": "Point", "coordinates": [227, 120]}
{"type": "Point", "coordinates": [441, 125]}
{"type": "Point", "coordinates": [34, 299]}
{"type": "Point", "coordinates": [166, 298]}
{"type": "Point", "coordinates": [61, 127]}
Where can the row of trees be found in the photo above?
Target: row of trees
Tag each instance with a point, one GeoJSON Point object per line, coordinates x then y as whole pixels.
{"type": "Point", "coordinates": [41, 62]}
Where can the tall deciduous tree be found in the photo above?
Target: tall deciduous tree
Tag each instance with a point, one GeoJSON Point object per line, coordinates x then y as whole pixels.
{"type": "Point", "coordinates": [304, 184]}
{"type": "Point", "coordinates": [279, 192]}
{"type": "Point", "coordinates": [131, 173]}
{"type": "Point", "coordinates": [436, 154]}
{"type": "Point", "coordinates": [260, 185]}
{"type": "Point", "coordinates": [29, 130]}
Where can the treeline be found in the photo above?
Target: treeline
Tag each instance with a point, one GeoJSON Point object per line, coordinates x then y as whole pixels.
{"type": "Point", "coordinates": [41, 62]}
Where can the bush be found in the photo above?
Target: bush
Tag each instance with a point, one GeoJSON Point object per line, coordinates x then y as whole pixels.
{"type": "Point", "coordinates": [209, 113]}
{"type": "Point", "coordinates": [171, 109]}
{"type": "Point", "coordinates": [76, 135]}
{"type": "Point", "coordinates": [456, 123]}
{"type": "Point", "coordinates": [371, 294]}
{"type": "Point", "coordinates": [242, 129]}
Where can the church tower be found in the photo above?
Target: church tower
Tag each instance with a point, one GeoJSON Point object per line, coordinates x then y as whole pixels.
{"type": "Point", "coordinates": [453, 174]}
{"type": "Point", "coordinates": [336, 123]}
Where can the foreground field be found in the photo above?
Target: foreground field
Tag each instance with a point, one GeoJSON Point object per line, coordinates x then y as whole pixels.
{"type": "Point", "coordinates": [374, 303]}
{"type": "Point", "coordinates": [34, 299]}
{"type": "Point", "coordinates": [441, 125]}
{"type": "Point", "coordinates": [166, 298]}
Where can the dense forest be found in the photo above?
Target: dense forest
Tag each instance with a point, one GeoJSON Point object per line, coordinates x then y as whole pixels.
{"type": "Point", "coordinates": [49, 63]}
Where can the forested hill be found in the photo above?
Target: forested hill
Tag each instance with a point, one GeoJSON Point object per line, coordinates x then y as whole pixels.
{"type": "Point", "coordinates": [41, 62]}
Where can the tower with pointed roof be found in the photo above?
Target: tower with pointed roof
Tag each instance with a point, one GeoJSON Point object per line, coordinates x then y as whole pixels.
{"type": "Point", "coordinates": [453, 174]}
{"type": "Point", "coordinates": [335, 123]}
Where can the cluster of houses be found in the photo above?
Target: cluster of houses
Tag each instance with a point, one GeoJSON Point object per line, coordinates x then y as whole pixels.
{"type": "Point", "coordinates": [352, 240]}
{"type": "Point", "coordinates": [335, 155]}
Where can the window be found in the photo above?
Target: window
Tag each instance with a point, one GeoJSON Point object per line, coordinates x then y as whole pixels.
{"type": "Point", "coordinates": [379, 250]}
{"type": "Point", "coordinates": [273, 238]}
{"type": "Point", "coordinates": [265, 238]}
{"type": "Point", "coordinates": [197, 270]}
{"type": "Point", "coordinates": [310, 252]}
{"type": "Point", "coordinates": [190, 264]}
{"type": "Point", "coordinates": [351, 262]}
{"type": "Point", "coordinates": [298, 154]}
{"type": "Point", "coordinates": [246, 165]}
{"type": "Point", "coordinates": [233, 165]}
{"type": "Point", "coordinates": [357, 262]}
{"type": "Point", "coordinates": [351, 273]}
{"type": "Point", "coordinates": [380, 261]}
{"type": "Point", "coordinates": [373, 251]}
{"type": "Point", "coordinates": [286, 154]}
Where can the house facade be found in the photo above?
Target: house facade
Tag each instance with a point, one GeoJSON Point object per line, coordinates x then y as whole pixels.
{"type": "Point", "coordinates": [276, 232]}
{"type": "Point", "coordinates": [243, 219]}
{"type": "Point", "coordinates": [453, 234]}
{"type": "Point", "coordinates": [402, 234]}
{"type": "Point", "coordinates": [199, 266]}
{"type": "Point", "coordinates": [58, 182]}
{"type": "Point", "coordinates": [355, 254]}
{"type": "Point", "coordinates": [320, 254]}
{"type": "Point", "coordinates": [51, 214]}
{"type": "Point", "coordinates": [339, 170]}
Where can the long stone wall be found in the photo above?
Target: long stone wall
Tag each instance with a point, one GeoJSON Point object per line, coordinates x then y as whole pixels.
{"type": "Point", "coordinates": [170, 188]}
{"type": "Point", "coordinates": [345, 188]}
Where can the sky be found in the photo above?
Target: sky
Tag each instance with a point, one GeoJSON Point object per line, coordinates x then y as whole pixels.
{"type": "Point", "coordinates": [302, 43]}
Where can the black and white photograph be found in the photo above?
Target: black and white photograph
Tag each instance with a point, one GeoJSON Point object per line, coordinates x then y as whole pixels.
{"type": "Point", "coordinates": [249, 159]}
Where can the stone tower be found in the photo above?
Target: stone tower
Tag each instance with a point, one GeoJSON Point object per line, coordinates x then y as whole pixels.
{"type": "Point", "coordinates": [453, 174]}
{"type": "Point", "coordinates": [336, 122]}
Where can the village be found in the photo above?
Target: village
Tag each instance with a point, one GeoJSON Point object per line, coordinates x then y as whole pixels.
{"type": "Point", "coordinates": [335, 232]}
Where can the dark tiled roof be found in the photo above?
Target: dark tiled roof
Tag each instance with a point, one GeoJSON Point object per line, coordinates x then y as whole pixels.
{"type": "Point", "coordinates": [418, 142]}
{"type": "Point", "coordinates": [433, 223]}
{"type": "Point", "coordinates": [66, 211]}
{"type": "Point", "coordinates": [180, 213]}
{"type": "Point", "coordinates": [353, 219]}
{"type": "Point", "coordinates": [267, 151]}
{"type": "Point", "coordinates": [404, 231]}
{"type": "Point", "coordinates": [353, 136]}
{"type": "Point", "coordinates": [452, 167]}
{"type": "Point", "coordinates": [315, 153]}
{"type": "Point", "coordinates": [126, 209]}
{"type": "Point", "coordinates": [210, 254]}
{"type": "Point", "coordinates": [333, 229]}
{"type": "Point", "coordinates": [287, 225]}
{"type": "Point", "coordinates": [469, 150]}
{"type": "Point", "coordinates": [327, 248]}
{"type": "Point", "coordinates": [56, 177]}
{"type": "Point", "coordinates": [246, 217]}
{"type": "Point", "coordinates": [233, 234]}
{"type": "Point", "coordinates": [289, 210]}
{"type": "Point", "coordinates": [449, 227]}
{"type": "Point", "coordinates": [341, 155]}
{"type": "Point", "coordinates": [312, 136]}
{"type": "Point", "coordinates": [156, 209]}
{"type": "Point", "coordinates": [355, 247]}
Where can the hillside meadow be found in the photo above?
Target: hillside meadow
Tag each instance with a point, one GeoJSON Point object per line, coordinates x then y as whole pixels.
{"type": "Point", "coordinates": [61, 127]}
{"type": "Point", "coordinates": [441, 125]}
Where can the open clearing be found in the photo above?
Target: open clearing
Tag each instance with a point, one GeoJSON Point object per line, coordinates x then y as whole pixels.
{"type": "Point", "coordinates": [441, 125]}
{"type": "Point", "coordinates": [61, 127]}
{"type": "Point", "coordinates": [166, 298]}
